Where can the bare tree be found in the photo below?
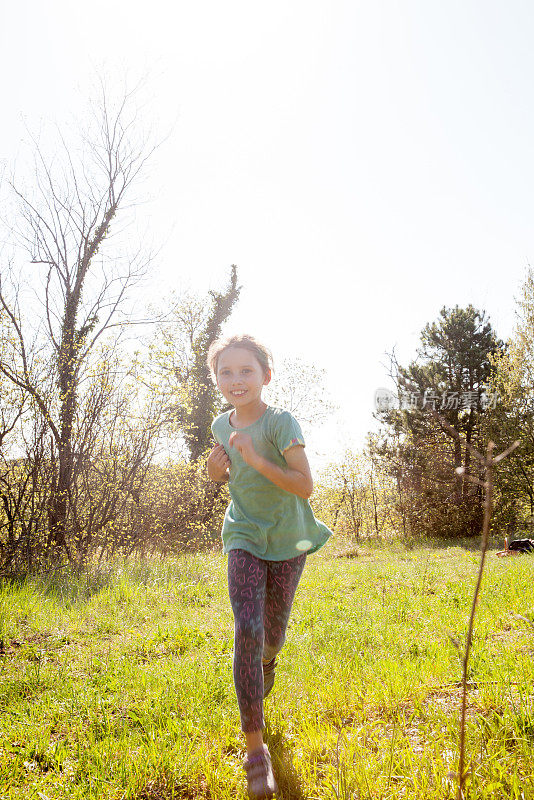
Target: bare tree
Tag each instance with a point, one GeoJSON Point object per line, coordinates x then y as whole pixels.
{"type": "Point", "coordinates": [65, 226]}
{"type": "Point", "coordinates": [299, 387]}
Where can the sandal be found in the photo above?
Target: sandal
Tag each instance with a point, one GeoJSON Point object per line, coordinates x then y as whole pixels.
{"type": "Point", "coordinates": [260, 778]}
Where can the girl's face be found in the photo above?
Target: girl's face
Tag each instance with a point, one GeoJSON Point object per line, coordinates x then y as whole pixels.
{"type": "Point", "coordinates": [240, 376]}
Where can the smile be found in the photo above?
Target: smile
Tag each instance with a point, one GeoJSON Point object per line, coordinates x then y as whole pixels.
{"type": "Point", "coordinates": [239, 393]}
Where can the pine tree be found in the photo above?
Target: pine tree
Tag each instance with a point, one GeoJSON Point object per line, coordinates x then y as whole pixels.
{"type": "Point", "coordinates": [450, 376]}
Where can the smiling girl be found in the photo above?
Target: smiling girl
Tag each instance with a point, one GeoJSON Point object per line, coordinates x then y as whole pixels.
{"type": "Point", "coordinates": [268, 530]}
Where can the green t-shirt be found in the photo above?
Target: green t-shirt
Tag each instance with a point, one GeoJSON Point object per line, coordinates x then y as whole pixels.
{"type": "Point", "coordinates": [269, 522]}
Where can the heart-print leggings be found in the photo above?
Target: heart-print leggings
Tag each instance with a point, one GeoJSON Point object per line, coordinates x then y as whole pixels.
{"type": "Point", "coordinates": [261, 594]}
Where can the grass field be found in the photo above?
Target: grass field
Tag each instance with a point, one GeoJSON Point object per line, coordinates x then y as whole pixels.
{"type": "Point", "coordinates": [118, 683]}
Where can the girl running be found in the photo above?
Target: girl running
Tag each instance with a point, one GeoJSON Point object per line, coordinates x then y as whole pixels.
{"type": "Point", "coordinates": [268, 530]}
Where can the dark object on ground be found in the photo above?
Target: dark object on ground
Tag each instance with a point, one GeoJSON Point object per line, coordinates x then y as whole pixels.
{"type": "Point", "coordinates": [522, 545]}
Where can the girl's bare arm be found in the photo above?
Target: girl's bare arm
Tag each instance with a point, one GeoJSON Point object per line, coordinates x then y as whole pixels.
{"type": "Point", "coordinates": [296, 478]}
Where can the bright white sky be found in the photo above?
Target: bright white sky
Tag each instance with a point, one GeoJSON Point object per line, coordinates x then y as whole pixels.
{"type": "Point", "coordinates": [363, 163]}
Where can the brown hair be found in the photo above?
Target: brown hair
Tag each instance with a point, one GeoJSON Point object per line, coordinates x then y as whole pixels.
{"type": "Point", "coordinates": [261, 352]}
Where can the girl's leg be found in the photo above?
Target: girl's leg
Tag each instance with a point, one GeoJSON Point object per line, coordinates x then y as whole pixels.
{"type": "Point", "coordinates": [282, 581]}
{"type": "Point", "coordinates": [246, 584]}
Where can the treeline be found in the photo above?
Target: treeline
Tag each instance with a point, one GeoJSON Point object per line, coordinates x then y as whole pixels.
{"type": "Point", "coordinates": [126, 471]}
{"type": "Point", "coordinates": [87, 424]}
{"type": "Point", "coordinates": [105, 417]}
{"type": "Point", "coordinates": [411, 479]}
{"type": "Point", "coordinates": [105, 414]}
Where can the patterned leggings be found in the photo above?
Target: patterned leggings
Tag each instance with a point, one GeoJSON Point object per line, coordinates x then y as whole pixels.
{"type": "Point", "coordinates": [261, 594]}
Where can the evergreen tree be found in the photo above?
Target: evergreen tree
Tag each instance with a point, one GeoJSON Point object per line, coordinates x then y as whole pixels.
{"type": "Point", "coordinates": [456, 352]}
{"type": "Point", "coordinates": [451, 376]}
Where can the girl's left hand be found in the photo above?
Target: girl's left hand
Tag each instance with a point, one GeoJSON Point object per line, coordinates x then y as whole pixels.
{"type": "Point", "coordinates": [243, 444]}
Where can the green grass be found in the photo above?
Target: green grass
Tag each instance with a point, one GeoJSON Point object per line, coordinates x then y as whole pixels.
{"type": "Point", "coordinates": [118, 683]}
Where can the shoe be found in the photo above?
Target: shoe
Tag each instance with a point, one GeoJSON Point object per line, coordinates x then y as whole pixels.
{"type": "Point", "coordinates": [260, 778]}
{"type": "Point", "coordinates": [268, 676]}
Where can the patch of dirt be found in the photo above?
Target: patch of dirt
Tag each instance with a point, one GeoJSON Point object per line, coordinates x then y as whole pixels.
{"type": "Point", "coordinates": [36, 638]}
{"type": "Point", "coordinates": [449, 700]}
{"type": "Point", "coordinates": [353, 552]}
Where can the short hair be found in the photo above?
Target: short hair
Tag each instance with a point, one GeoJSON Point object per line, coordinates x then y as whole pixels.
{"type": "Point", "coordinates": [262, 353]}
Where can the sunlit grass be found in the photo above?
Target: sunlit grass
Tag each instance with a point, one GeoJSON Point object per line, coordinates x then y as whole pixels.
{"type": "Point", "coordinates": [117, 683]}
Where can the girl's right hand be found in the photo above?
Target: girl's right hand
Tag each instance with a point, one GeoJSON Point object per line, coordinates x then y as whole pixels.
{"type": "Point", "coordinates": [218, 464]}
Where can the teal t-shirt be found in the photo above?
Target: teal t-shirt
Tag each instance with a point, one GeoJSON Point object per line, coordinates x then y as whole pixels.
{"type": "Point", "coordinates": [261, 518]}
